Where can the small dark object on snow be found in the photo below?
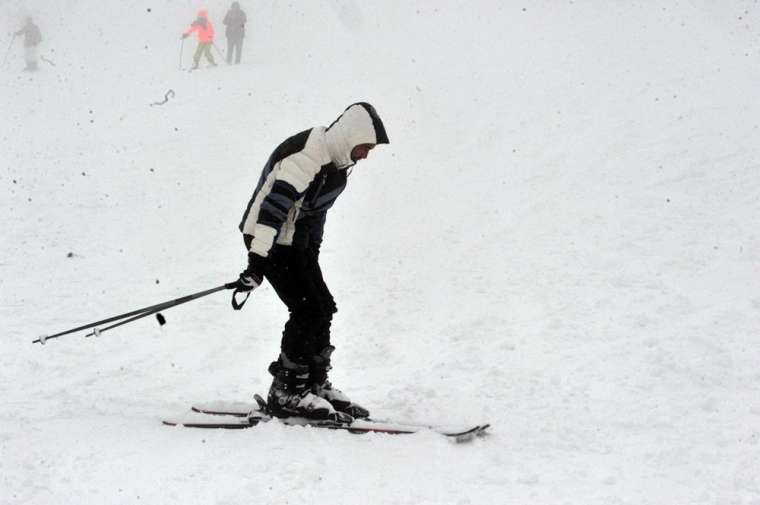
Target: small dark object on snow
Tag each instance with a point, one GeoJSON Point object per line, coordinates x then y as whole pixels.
{"type": "Point", "coordinates": [161, 319]}
{"type": "Point", "coordinates": [168, 95]}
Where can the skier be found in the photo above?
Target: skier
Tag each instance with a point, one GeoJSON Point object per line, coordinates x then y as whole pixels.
{"type": "Point", "coordinates": [32, 39]}
{"type": "Point", "coordinates": [282, 230]}
{"type": "Point", "coordinates": [205, 30]}
{"type": "Point", "coordinates": [235, 20]}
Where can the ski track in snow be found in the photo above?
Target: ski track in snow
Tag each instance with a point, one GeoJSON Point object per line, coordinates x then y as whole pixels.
{"type": "Point", "coordinates": [561, 239]}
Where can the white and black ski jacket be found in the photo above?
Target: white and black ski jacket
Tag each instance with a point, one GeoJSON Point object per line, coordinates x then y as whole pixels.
{"type": "Point", "coordinates": [304, 176]}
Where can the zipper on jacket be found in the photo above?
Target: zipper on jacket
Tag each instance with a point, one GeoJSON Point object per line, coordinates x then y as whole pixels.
{"type": "Point", "coordinates": [319, 190]}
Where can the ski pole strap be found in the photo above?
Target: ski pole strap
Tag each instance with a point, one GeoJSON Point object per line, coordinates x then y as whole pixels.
{"type": "Point", "coordinates": [239, 305]}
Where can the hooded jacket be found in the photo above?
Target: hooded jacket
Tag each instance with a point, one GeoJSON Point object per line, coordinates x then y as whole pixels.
{"type": "Point", "coordinates": [203, 27]}
{"type": "Point", "coordinates": [304, 176]}
{"type": "Point", "coordinates": [31, 33]}
{"type": "Point", "coordinates": [235, 20]}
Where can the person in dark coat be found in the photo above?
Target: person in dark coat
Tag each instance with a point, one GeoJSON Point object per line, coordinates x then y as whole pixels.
{"type": "Point", "coordinates": [282, 228]}
{"type": "Point", "coordinates": [235, 20]}
{"type": "Point", "coordinates": [32, 39]}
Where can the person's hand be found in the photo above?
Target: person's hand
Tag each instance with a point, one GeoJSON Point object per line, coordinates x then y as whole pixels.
{"type": "Point", "coordinates": [247, 282]}
{"type": "Point", "coordinates": [249, 279]}
{"type": "Point", "coordinates": [184, 36]}
{"type": "Point", "coordinates": [244, 286]}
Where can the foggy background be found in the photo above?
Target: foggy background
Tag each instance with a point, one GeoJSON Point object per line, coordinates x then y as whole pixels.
{"type": "Point", "coordinates": [561, 240]}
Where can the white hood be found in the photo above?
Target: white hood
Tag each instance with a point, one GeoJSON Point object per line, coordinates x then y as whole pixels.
{"type": "Point", "coordinates": [359, 124]}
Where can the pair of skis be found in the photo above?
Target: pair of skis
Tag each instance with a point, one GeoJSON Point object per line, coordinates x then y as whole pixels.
{"type": "Point", "coordinates": [241, 415]}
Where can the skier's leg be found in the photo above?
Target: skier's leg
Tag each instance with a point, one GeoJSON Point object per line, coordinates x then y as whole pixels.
{"type": "Point", "coordinates": [209, 56]}
{"type": "Point", "coordinates": [30, 57]}
{"type": "Point", "coordinates": [197, 55]}
{"type": "Point", "coordinates": [239, 50]}
{"type": "Point", "coordinates": [230, 45]}
{"type": "Point", "coordinates": [290, 393]}
{"type": "Point", "coordinates": [320, 362]}
{"type": "Point", "coordinates": [322, 387]}
{"type": "Point", "coordinates": [285, 272]}
{"type": "Point", "coordinates": [325, 300]}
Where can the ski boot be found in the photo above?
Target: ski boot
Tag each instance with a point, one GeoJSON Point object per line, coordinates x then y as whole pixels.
{"type": "Point", "coordinates": [290, 395]}
{"type": "Point", "coordinates": [323, 388]}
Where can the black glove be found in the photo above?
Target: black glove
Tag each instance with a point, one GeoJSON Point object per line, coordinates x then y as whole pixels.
{"type": "Point", "coordinates": [247, 282]}
{"type": "Point", "coordinates": [184, 35]}
{"type": "Point", "coordinates": [253, 275]}
{"type": "Point", "coordinates": [249, 279]}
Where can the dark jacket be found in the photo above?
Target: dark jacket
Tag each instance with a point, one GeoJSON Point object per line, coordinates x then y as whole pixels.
{"type": "Point", "coordinates": [235, 20]}
{"type": "Point", "coordinates": [31, 33]}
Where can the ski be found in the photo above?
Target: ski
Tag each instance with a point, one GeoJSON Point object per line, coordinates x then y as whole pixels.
{"type": "Point", "coordinates": [198, 420]}
{"type": "Point", "coordinates": [235, 415]}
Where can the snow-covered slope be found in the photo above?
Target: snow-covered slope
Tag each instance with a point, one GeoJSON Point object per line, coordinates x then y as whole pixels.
{"type": "Point", "coordinates": [560, 239]}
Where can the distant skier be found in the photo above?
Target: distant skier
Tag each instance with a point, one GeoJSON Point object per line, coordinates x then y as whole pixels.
{"type": "Point", "coordinates": [282, 230]}
{"type": "Point", "coordinates": [235, 20]}
{"type": "Point", "coordinates": [205, 30]}
{"type": "Point", "coordinates": [32, 39]}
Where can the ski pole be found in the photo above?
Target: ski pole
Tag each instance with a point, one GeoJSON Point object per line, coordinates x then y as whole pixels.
{"type": "Point", "coordinates": [218, 51]}
{"type": "Point", "coordinates": [7, 51]}
{"type": "Point", "coordinates": [155, 309]}
{"type": "Point", "coordinates": [145, 311]}
{"type": "Point", "coordinates": [158, 308]}
{"type": "Point", "coordinates": [181, 47]}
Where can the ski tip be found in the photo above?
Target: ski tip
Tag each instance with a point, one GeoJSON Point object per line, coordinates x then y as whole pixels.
{"type": "Point", "coordinates": [235, 423]}
{"type": "Point", "coordinates": [469, 435]}
{"type": "Point", "coordinates": [262, 403]}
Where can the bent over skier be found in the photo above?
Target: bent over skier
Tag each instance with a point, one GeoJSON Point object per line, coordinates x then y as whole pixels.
{"type": "Point", "coordinates": [282, 230]}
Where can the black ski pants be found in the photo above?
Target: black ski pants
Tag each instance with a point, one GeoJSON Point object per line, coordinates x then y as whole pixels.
{"type": "Point", "coordinates": [296, 276]}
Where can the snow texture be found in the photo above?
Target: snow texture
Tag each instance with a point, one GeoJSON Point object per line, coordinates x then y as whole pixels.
{"type": "Point", "coordinates": [561, 239]}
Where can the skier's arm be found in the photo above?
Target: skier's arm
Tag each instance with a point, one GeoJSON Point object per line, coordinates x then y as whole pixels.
{"type": "Point", "coordinates": [193, 28]}
{"type": "Point", "coordinates": [289, 187]}
{"type": "Point", "coordinates": [294, 174]}
{"type": "Point", "coordinates": [316, 231]}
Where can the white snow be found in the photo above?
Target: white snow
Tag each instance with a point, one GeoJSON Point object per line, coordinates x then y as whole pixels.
{"type": "Point", "coordinates": [561, 239]}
